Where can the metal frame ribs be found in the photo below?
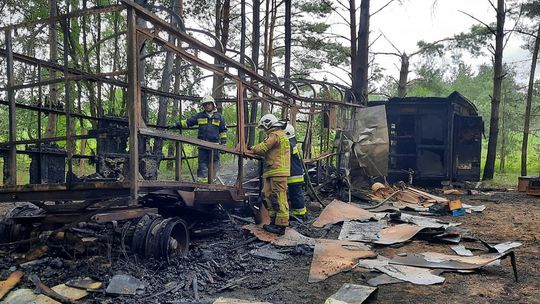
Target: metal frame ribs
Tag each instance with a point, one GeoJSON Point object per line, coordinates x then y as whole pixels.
{"type": "Point", "coordinates": [138, 130]}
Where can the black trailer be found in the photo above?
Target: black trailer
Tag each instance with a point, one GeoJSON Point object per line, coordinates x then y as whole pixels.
{"type": "Point", "coordinates": [433, 139]}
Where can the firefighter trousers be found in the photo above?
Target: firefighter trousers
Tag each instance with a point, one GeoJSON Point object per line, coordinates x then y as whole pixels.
{"type": "Point", "coordinates": [203, 164]}
{"type": "Point", "coordinates": [275, 198]}
{"type": "Point", "coordinates": [295, 192]}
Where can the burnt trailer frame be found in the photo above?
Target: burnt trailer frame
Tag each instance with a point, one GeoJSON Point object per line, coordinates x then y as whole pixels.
{"type": "Point", "coordinates": [244, 78]}
{"type": "Point", "coordinates": [433, 139]}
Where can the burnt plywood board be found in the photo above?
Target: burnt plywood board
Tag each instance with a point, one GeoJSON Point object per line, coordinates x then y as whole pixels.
{"type": "Point", "coordinates": [331, 257]}
{"type": "Point", "coordinates": [397, 234]}
{"type": "Point", "coordinates": [338, 211]}
{"type": "Point", "coordinates": [291, 237]}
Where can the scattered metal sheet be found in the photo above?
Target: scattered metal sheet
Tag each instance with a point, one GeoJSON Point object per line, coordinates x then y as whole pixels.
{"type": "Point", "coordinates": [331, 257]}
{"type": "Point", "coordinates": [411, 206]}
{"type": "Point", "coordinates": [124, 284]}
{"type": "Point", "coordinates": [471, 208]}
{"type": "Point", "coordinates": [445, 261]}
{"type": "Point", "coordinates": [352, 294]}
{"type": "Point", "coordinates": [338, 211]}
{"type": "Point", "coordinates": [370, 137]}
{"type": "Point", "coordinates": [425, 221]}
{"type": "Point", "coordinates": [70, 292]}
{"type": "Point", "coordinates": [290, 238]}
{"type": "Point", "coordinates": [85, 283]}
{"type": "Point", "coordinates": [269, 253]}
{"type": "Point", "coordinates": [222, 300]}
{"type": "Point", "coordinates": [453, 238]}
{"type": "Point", "coordinates": [397, 234]}
{"type": "Point", "coordinates": [372, 263]}
{"type": "Point", "coordinates": [461, 250]}
{"type": "Point", "coordinates": [415, 275]}
{"type": "Point", "coordinates": [384, 207]}
{"type": "Point", "coordinates": [12, 281]}
{"type": "Point", "coordinates": [361, 231]}
{"type": "Point", "coordinates": [25, 296]}
{"type": "Point", "coordinates": [383, 279]}
{"type": "Point", "coordinates": [503, 247]}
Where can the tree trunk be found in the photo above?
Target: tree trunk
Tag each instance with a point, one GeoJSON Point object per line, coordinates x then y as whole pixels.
{"type": "Point", "coordinates": [403, 75]}
{"type": "Point", "coordinates": [53, 49]}
{"type": "Point", "coordinates": [288, 46]}
{"type": "Point", "coordinates": [360, 74]}
{"type": "Point", "coordinates": [255, 57]}
{"type": "Point", "coordinates": [502, 156]}
{"type": "Point", "coordinates": [354, 59]}
{"type": "Point", "coordinates": [489, 167]}
{"type": "Point", "coordinates": [222, 32]}
{"type": "Point", "coordinates": [116, 55]}
{"type": "Point", "coordinates": [143, 140]}
{"type": "Point", "coordinates": [166, 77]}
{"type": "Point", "coordinates": [530, 89]}
{"type": "Point", "coordinates": [269, 46]}
{"type": "Point", "coordinates": [175, 113]}
{"type": "Point", "coordinates": [287, 73]}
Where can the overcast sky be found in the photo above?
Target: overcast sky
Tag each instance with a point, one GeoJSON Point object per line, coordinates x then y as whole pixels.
{"type": "Point", "coordinates": [413, 20]}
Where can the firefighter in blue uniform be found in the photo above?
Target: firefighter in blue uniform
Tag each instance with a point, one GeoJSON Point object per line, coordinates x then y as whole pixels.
{"type": "Point", "coordinates": [212, 128]}
{"type": "Point", "coordinates": [295, 181]}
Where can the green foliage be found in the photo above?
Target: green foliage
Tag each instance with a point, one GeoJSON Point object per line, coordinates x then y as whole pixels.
{"type": "Point", "coordinates": [473, 41]}
{"type": "Point", "coordinates": [313, 28]}
{"type": "Point", "coordinates": [430, 82]}
{"type": "Point", "coordinates": [319, 7]}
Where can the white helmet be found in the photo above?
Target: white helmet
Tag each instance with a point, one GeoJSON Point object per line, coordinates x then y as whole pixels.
{"type": "Point", "coordinates": [267, 121]}
{"type": "Point", "coordinates": [208, 99]}
{"type": "Point", "coordinates": [289, 131]}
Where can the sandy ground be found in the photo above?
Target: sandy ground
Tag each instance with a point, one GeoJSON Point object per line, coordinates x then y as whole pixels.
{"type": "Point", "coordinates": [509, 216]}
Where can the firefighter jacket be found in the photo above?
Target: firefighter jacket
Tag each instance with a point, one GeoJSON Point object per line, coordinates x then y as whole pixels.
{"type": "Point", "coordinates": [277, 155]}
{"type": "Point", "coordinates": [297, 169]}
{"type": "Point", "coordinates": [212, 126]}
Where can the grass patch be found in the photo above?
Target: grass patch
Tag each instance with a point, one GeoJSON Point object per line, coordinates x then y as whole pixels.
{"type": "Point", "coordinates": [503, 180]}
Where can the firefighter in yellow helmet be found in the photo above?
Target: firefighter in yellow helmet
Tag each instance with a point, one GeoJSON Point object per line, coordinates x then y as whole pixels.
{"type": "Point", "coordinates": [277, 167]}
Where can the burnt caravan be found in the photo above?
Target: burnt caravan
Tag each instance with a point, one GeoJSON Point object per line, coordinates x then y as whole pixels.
{"type": "Point", "coordinates": [433, 139]}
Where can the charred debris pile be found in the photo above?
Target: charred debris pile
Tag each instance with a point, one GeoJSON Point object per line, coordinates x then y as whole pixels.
{"type": "Point", "coordinates": [123, 261]}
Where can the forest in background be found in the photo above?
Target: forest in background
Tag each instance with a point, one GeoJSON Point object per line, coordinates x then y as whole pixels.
{"type": "Point", "coordinates": [300, 48]}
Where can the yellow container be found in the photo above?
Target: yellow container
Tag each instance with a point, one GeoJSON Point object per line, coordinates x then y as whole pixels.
{"type": "Point", "coordinates": [455, 205]}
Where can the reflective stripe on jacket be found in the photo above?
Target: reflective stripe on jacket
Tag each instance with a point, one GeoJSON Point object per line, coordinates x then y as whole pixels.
{"type": "Point", "coordinates": [276, 151]}
{"type": "Point", "coordinates": [211, 128]}
{"type": "Point", "coordinates": [297, 170]}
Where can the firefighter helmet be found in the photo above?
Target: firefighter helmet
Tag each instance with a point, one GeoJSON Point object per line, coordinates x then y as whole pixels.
{"type": "Point", "coordinates": [208, 99]}
{"type": "Point", "coordinates": [289, 131]}
{"type": "Point", "coordinates": [267, 121]}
